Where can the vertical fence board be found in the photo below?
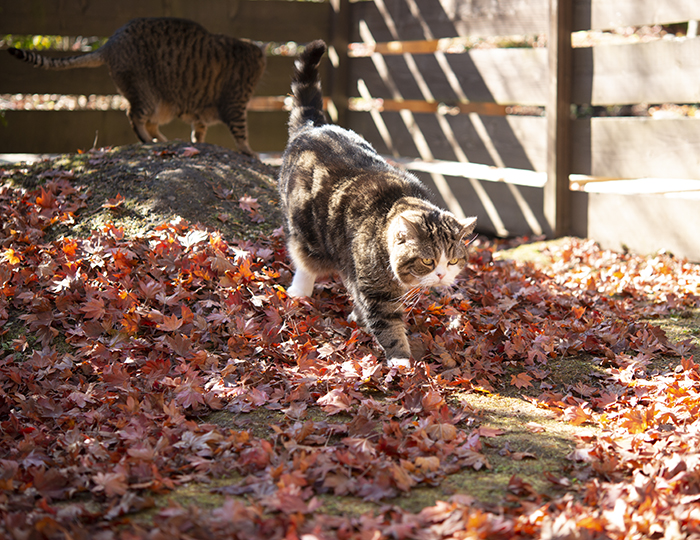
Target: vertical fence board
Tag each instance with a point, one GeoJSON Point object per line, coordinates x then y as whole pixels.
{"type": "Point", "coordinates": [556, 191]}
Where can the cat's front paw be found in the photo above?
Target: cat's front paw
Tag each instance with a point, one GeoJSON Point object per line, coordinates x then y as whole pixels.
{"type": "Point", "coordinates": [399, 363]}
{"type": "Point", "coordinates": [296, 292]}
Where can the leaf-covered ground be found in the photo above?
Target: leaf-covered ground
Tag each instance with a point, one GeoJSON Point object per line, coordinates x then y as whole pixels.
{"type": "Point", "coordinates": [157, 382]}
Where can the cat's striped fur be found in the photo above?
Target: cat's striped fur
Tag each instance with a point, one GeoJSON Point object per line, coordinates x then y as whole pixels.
{"type": "Point", "coordinates": [168, 68]}
{"type": "Point", "coordinates": [348, 211]}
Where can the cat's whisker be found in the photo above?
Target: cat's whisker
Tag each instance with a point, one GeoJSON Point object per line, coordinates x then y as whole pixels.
{"type": "Point", "coordinates": [412, 301]}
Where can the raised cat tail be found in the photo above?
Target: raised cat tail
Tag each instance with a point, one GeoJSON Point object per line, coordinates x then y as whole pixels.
{"type": "Point", "coordinates": [306, 88]}
{"type": "Point", "coordinates": [93, 59]}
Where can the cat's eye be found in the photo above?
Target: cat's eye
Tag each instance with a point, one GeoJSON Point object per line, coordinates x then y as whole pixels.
{"type": "Point", "coordinates": [427, 262]}
{"type": "Point", "coordinates": [453, 261]}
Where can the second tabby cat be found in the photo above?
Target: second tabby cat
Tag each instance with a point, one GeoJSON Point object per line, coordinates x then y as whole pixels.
{"type": "Point", "coordinates": [168, 68]}
{"type": "Point", "coordinates": [348, 211]}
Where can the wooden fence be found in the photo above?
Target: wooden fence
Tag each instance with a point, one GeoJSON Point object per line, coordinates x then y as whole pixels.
{"type": "Point", "coordinates": [404, 74]}
{"type": "Point", "coordinates": [415, 59]}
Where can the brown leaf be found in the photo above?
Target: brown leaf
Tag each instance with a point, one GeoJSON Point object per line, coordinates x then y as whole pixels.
{"type": "Point", "coordinates": [189, 151]}
{"type": "Point", "coordinates": [485, 431]}
{"type": "Point", "coordinates": [521, 380]}
{"type": "Point", "coordinates": [534, 427]}
{"type": "Point", "coordinates": [442, 432]}
{"type": "Point", "coordinates": [335, 401]}
{"type": "Point", "coordinates": [428, 464]}
{"type": "Point", "coordinates": [112, 483]}
{"type": "Point", "coordinates": [170, 323]}
{"type": "Point", "coordinates": [114, 203]}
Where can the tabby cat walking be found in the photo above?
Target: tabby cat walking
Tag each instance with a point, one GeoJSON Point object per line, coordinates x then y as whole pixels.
{"type": "Point", "coordinates": [173, 68]}
{"type": "Point", "coordinates": [348, 211]}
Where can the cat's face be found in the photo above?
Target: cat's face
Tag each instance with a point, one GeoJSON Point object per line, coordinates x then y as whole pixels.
{"type": "Point", "coordinates": [428, 247]}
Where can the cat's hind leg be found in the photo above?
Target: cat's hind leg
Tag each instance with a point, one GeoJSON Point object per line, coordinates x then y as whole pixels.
{"type": "Point", "coordinates": [139, 126]}
{"type": "Point", "coordinates": [154, 132]}
{"type": "Point", "coordinates": [233, 114]}
{"type": "Point", "coordinates": [199, 131]}
{"type": "Point", "coordinates": [139, 117]}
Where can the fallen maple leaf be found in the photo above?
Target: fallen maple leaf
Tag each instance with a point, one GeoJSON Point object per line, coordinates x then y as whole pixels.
{"type": "Point", "coordinates": [442, 432]}
{"type": "Point", "coordinates": [94, 308]}
{"type": "Point", "coordinates": [249, 204]}
{"type": "Point", "coordinates": [115, 202]}
{"type": "Point", "coordinates": [534, 427]}
{"type": "Point", "coordinates": [111, 483]}
{"type": "Point", "coordinates": [519, 456]}
{"type": "Point", "coordinates": [403, 480]}
{"type": "Point", "coordinates": [335, 401]}
{"type": "Point", "coordinates": [428, 464]}
{"type": "Point", "coordinates": [189, 151]}
{"type": "Point", "coordinates": [577, 415]}
{"type": "Point", "coordinates": [11, 256]}
{"type": "Point", "coordinates": [189, 394]}
{"type": "Point", "coordinates": [485, 431]}
{"type": "Point", "coordinates": [170, 323]}
{"type": "Point", "coordinates": [521, 380]}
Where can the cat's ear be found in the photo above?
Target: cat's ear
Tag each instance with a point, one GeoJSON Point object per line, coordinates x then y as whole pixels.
{"type": "Point", "coordinates": [468, 225]}
{"type": "Point", "coordinates": [407, 226]}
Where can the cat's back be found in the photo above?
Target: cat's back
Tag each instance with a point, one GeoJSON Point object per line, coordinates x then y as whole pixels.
{"type": "Point", "coordinates": [161, 47]}
{"type": "Point", "coordinates": [338, 150]}
{"type": "Point", "coordinates": [344, 160]}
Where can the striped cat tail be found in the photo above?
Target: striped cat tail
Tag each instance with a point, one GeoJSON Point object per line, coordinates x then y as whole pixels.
{"type": "Point", "coordinates": [93, 59]}
{"type": "Point", "coordinates": [306, 88]}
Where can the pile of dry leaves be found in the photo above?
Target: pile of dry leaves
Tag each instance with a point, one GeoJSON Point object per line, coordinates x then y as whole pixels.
{"type": "Point", "coordinates": [116, 347]}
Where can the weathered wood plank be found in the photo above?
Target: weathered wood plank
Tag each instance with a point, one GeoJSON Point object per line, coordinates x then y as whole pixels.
{"type": "Point", "coordinates": [265, 20]}
{"type": "Point", "coordinates": [605, 147]}
{"type": "Point", "coordinates": [603, 75]}
{"type": "Point", "coordinates": [520, 141]}
{"type": "Point", "coordinates": [20, 78]}
{"type": "Point", "coordinates": [637, 147]}
{"type": "Point", "coordinates": [336, 84]}
{"type": "Point", "coordinates": [644, 224]}
{"type": "Point", "coordinates": [449, 18]}
{"type": "Point", "coordinates": [503, 76]}
{"type": "Point", "coordinates": [611, 14]}
{"type": "Point", "coordinates": [655, 72]}
{"type": "Point", "coordinates": [67, 131]}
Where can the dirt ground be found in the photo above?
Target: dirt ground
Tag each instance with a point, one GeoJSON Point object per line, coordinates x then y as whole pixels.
{"type": "Point", "coordinates": [161, 182]}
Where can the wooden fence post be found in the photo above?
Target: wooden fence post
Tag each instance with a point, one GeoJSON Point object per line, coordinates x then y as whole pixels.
{"type": "Point", "coordinates": [556, 190]}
